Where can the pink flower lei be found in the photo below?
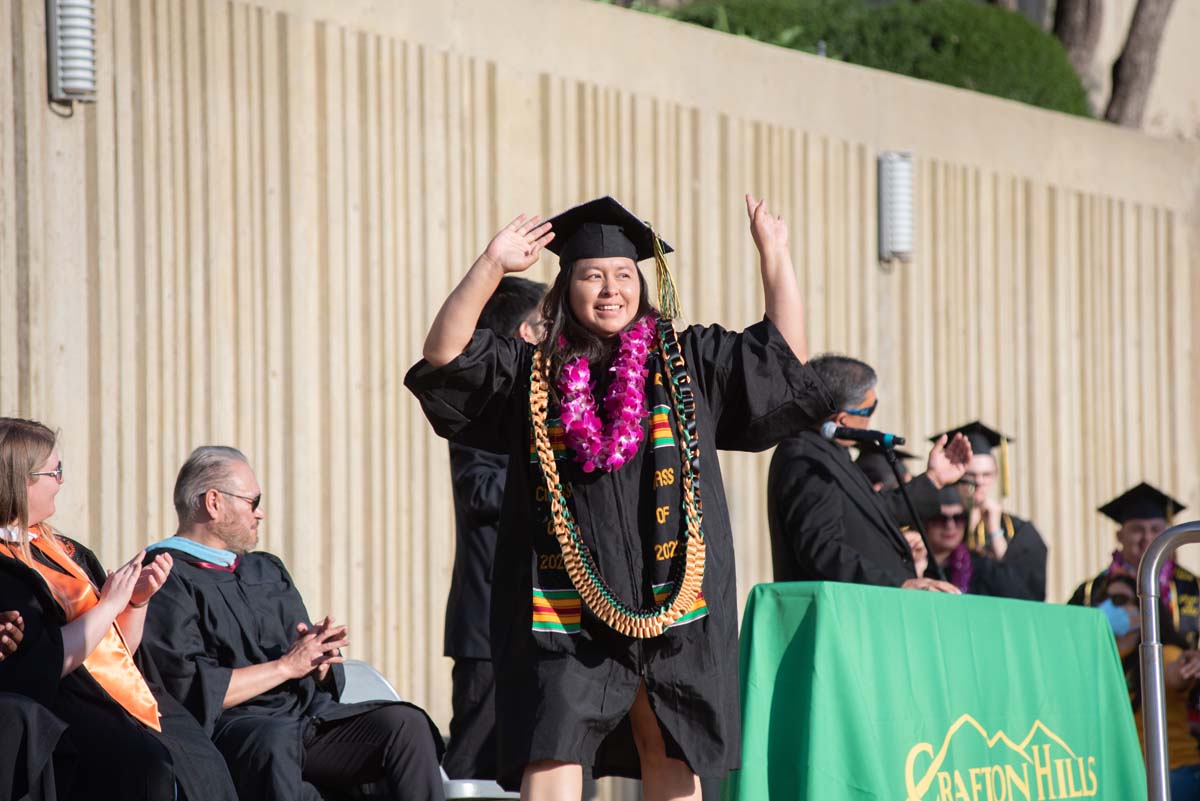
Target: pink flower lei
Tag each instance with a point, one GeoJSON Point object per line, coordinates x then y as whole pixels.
{"type": "Point", "coordinates": [624, 404]}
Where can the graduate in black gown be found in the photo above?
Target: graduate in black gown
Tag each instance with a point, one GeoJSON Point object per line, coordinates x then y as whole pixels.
{"type": "Point", "coordinates": [970, 571]}
{"type": "Point", "coordinates": [992, 532]}
{"type": "Point", "coordinates": [477, 483]}
{"type": "Point", "coordinates": [79, 654]}
{"type": "Point", "coordinates": [235, 644]}
{"type": "Point", "coordinates": [614, 622]}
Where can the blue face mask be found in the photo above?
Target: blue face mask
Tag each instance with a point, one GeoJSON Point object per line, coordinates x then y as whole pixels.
{"type": "Point", "coordinates": [1118, 618]}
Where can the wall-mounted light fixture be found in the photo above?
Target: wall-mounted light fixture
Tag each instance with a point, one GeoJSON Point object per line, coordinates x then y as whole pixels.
{"type": "Point", "coordinates": [71, 35]}
{"type": "Point", "coordinates": [895, 206]}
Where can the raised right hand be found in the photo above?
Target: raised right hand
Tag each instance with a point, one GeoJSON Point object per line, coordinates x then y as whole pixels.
{"type": "Point", "coordinates": [121, 582]}
{"type": "Point", "coordinates": [931, 585]}
{"type": "Point", "coordinates": [518, 245]}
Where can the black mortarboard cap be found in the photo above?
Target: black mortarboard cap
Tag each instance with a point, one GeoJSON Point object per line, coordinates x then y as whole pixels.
{"type": "Point", "coordinates": [1143, 502]}
{"type": "Point", "coordinates": [601, 228]}
{"type": "Point", "coordinates": [981, 437]}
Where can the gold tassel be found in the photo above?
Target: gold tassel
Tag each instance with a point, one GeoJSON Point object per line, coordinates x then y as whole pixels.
{"type": "Point", "coordinates": [1004, 476]}
{"type": "Point", "coordinates": [668, 297]}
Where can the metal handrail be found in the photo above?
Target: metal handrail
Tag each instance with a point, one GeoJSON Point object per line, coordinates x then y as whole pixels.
{"type": "Point", "coordinates": [1154, 710]}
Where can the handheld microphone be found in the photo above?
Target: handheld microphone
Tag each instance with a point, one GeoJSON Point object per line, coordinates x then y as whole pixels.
{"type": "Point", "coordinates": [832, 431]}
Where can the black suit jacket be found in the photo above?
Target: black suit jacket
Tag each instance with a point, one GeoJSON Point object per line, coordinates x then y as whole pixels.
{"type": "Point", "coordinates": [478, 487]}
{"type": "Point", "coordinates": [828, 523]}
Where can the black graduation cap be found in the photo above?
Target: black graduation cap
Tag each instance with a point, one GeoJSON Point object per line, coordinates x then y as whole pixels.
{"type": "Point", "coordinates": [601, 228]}
{"type": "Point", "coordinates": [1143, 502]}
{"type": "Point", "coordinates": [983, 439]}
{"type": "Point", "coordinates": [872, 462]}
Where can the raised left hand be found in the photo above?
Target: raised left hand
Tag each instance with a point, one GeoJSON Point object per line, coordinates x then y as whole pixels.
{"type": "Point", "coordinates": [769, 230]}
{"type": "Point", "coordinates": [151, 579]}
{"type": "Point", "coordinates": [948, 461]}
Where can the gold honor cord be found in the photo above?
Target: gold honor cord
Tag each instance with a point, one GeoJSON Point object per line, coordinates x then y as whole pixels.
{"type": "Point", "coordinates": [600, 600]}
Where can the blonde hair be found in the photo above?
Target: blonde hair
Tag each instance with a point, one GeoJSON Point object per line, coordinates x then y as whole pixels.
{"type": "Point", "coordinates": [25, 445]}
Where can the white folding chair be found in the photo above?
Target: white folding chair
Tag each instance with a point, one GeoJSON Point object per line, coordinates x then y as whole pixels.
{"type": "Point", "coordinates": [365, 683]}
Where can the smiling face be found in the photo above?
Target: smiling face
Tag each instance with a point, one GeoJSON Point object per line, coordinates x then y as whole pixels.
{"type": "Point", "coordinates": [604, 294]}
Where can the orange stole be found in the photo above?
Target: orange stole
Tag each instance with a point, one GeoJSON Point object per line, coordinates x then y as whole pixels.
{"type": "Point", "coordinates": [111, 664]}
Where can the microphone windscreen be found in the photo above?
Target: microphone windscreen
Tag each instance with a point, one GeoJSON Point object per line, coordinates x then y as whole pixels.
{"type": "Point", "coordinates": [829, 430]}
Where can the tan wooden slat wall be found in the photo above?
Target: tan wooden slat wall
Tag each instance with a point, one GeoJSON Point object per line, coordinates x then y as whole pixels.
{"type": "Point", "coordinates": [244, 240]}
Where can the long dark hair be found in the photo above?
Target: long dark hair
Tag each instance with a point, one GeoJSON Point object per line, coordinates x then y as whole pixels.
{"type": "Point", "coordinates": [561, 321]}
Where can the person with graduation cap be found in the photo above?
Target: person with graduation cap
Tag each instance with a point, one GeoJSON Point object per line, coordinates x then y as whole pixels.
{"type": "Point", "coordinates": [234, 642]}
{"type": "Point", "coordinates": [1142, 513]}
{"type": "Point", "coordinates": [877, 468]}
{"type": "Point", "coordinates": [614, 617]}
{"type": "Point", "coordinates": [80, 655]}
{"type": "Point", "coordinates": [992, 532]}
{"type": "Point", "coordinates": [827, 522]}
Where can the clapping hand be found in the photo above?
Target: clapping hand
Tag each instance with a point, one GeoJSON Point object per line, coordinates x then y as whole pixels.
{"type": "Point", "coordinates": [948, 460]}
{"type": "Point", "coordinates": [12, 631]}
{"type": "Point", "coordinates": [119, 586]}
{"type": "Point", "coordinates": [151, 579]}
{"type": "Point", "coordinates": [325, 642]}
{"type": "Point", "coordinates": [519, 244]}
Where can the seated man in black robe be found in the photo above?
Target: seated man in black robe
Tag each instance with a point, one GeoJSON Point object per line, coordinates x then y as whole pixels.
{"type": "Point", "coordinates": [827, 521]}
{"type": "Point", "coordinates": [234, 643]}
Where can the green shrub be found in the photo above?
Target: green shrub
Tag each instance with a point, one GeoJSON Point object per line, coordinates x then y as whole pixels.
{"type": "Point", "coordinates": [956, 42]}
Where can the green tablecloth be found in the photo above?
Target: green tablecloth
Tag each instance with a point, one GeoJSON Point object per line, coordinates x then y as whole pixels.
{"type": "Point", "coordinates": [856, 692]}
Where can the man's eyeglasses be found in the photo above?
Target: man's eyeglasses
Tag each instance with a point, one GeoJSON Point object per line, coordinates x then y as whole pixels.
{"type": "Point", "coordinates": [959, 519]}
{"type": "Point", "coordinates": [865, 411]}
{"type": "Point", "coordinates": [254, 502]}
{"type": "Point", "coordinates": [56, 472]}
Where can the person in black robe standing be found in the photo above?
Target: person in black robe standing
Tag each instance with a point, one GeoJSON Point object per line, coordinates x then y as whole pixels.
{"type": "Point", "coordinates": [235, 645]}
{"type": "Point", "coordinates": [614, 620]}
{"type": "Point", "coordinates": [827, 522]}
{"type": "Point", "coordinates": [79, 654]}
{"type": "Point", "coordinates": [991, 532]}
{"type": "Point", "coordinates": [477, 482]}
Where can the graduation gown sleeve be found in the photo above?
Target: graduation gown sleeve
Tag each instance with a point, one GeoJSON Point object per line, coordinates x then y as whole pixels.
{"type": "Point", "coordinates": [34, 669]}
{"type": "Point", "coordinates": [757, 391]}
{"type": "Point", "coordinates": [174, 640]}
{"type": "Point", "coordinates": [1026, 555]}
{"type": "Point", "coordinates": [478, 479]}
{"type": "Point", "coordinates": [466, 399]}
{"type": "Point", "coordinates": [998, 579]}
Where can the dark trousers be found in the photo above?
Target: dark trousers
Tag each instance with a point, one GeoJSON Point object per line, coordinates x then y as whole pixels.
{"type": "Point", "coordinates": [389, 745]}
{"type": "Point", "coordinates": [471, 753]}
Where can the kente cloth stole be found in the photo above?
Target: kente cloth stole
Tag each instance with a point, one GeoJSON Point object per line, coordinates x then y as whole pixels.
{"type": "Point", "coordinates": [111, 663]}
{"type": "Point", "coordinates": [557, 606]}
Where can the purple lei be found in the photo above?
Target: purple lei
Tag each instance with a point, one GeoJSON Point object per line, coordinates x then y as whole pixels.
{"type": "Point", "coordinates": [960, 568]}
{"type": "Point", "coordinates": [624, 404]}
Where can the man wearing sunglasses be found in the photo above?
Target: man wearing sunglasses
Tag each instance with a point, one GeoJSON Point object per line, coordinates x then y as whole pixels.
{"type": "Point", "coordinates": [827, 522]}
{"type": "Point", "coordinates": [234, 643]}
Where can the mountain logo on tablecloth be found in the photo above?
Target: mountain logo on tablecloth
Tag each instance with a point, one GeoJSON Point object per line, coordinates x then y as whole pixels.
{"type": "Point", "coordinates": [973, 765]}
